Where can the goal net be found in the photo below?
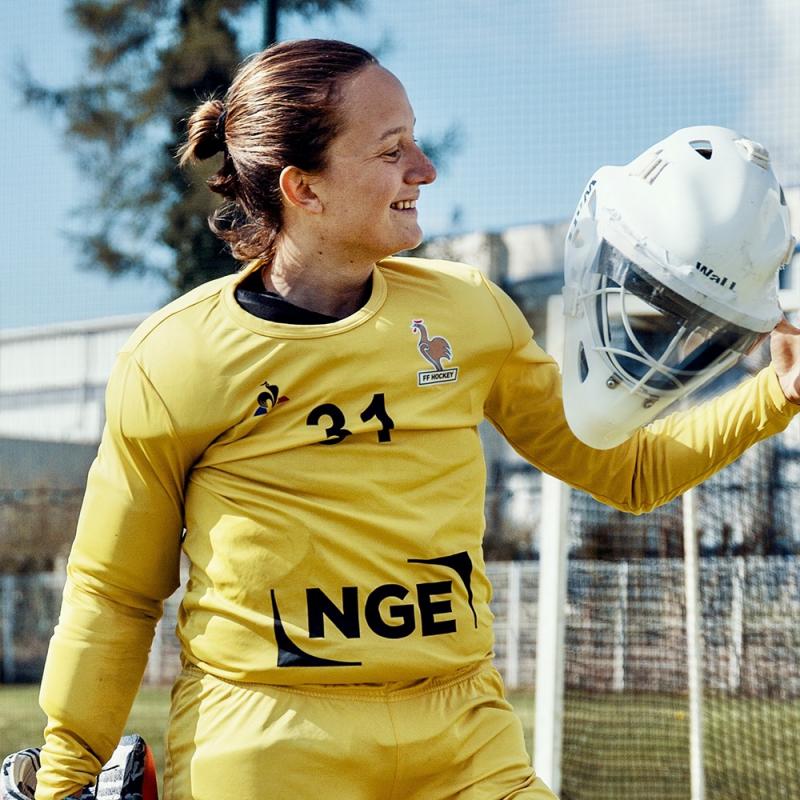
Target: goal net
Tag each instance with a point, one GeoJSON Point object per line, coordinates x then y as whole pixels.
{"type": "Point", "coordinates": [627, 710]}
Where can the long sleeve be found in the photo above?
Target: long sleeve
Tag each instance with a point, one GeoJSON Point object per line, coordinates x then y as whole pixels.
{"type": "Point", "coordinates": [660, 462]}
{"type": "Point", "coordinates": [124, 563]}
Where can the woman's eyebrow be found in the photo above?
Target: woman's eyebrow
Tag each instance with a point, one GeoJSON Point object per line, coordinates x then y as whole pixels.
{"type": "Point", "coordinates": [393, 131]}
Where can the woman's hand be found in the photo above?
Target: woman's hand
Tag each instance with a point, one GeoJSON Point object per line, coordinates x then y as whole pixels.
{"type": "Point", "coordinates": [784, 346]}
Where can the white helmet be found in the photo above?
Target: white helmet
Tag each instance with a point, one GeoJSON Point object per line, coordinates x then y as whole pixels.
{"type": "Point", "coordinates": [671, 267]}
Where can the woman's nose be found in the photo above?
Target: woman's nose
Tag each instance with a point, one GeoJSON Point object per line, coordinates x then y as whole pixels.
{"type": "Point", "coordinates": [423, 169]}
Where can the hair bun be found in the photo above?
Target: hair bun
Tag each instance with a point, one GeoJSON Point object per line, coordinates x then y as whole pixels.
{"type": "Point", "coordinates": [205, 133]}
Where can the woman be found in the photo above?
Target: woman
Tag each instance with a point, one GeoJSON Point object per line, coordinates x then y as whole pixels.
{"type": "Point", "coordinates": [311, 424]}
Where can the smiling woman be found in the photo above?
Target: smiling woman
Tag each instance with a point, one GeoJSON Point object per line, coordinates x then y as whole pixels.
{"type": "Point", "coordinates": [363, 205]}
{"type": "Point", "coordinates": [321, 166]}
{"type": "Point", "coordinates": [305, 433]}
{"type": "Point", "coordinates": [308, 563]}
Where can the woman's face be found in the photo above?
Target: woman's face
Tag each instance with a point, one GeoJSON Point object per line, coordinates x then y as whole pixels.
{"type": "Point", "coordinates": [374, 171]}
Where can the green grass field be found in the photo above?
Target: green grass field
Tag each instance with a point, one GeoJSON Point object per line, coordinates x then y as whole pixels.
{"type": "Point", "coordinates": [616, 746]}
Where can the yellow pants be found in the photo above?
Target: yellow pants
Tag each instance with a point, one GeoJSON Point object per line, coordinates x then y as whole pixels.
{"type": "Point", "coordinates": [446, 738]}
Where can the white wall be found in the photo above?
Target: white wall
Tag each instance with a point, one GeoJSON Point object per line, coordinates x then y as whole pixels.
{"type": "Point", "coordinates": [52, 378]}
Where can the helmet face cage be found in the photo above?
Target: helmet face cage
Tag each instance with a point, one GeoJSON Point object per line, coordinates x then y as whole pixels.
{"type": "Point", "coordinates": [671, 266]}
{"type": "Point", "coordinates": [667, 346]}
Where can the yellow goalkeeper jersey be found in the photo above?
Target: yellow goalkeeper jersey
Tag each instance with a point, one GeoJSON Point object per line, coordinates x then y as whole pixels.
{"type": "Point", "coordinates": [326, 483]}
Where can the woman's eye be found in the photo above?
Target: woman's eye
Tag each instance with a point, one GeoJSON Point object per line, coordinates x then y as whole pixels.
{"type": "Point", "coordinates": [393, 153]}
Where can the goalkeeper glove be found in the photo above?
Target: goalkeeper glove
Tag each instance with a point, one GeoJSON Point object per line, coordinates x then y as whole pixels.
{"type": "Point", "coordinates": [129, 774]}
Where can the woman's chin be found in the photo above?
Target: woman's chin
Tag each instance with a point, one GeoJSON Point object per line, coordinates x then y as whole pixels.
{"type": "Point", "coordinates": [412, 241]}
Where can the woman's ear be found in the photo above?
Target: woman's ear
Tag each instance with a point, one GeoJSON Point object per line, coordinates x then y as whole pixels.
{"type": "Point", "coordinates": [297, 190]}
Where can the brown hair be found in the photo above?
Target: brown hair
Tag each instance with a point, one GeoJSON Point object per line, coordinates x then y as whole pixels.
{"type": "Point", "coordinates": [280, 110]}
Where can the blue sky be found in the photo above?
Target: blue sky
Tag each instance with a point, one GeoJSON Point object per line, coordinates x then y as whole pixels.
{"type": "Point", "coordinates": [542, 91]}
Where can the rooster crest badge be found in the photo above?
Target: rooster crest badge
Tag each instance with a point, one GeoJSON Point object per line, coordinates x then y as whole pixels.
{"type": "Point", "coordinates": [434, 351]}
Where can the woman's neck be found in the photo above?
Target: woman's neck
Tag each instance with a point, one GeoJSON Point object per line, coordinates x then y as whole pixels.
{"type": "Point", "coordinates": [316, 283]}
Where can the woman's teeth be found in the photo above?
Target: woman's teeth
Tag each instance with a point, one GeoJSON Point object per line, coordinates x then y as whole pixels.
{"type": "Point", "coordinates": [403, 205]}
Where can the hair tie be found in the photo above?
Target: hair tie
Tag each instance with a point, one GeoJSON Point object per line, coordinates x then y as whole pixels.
{"type": "Point", "coordinates": [219, 128]}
